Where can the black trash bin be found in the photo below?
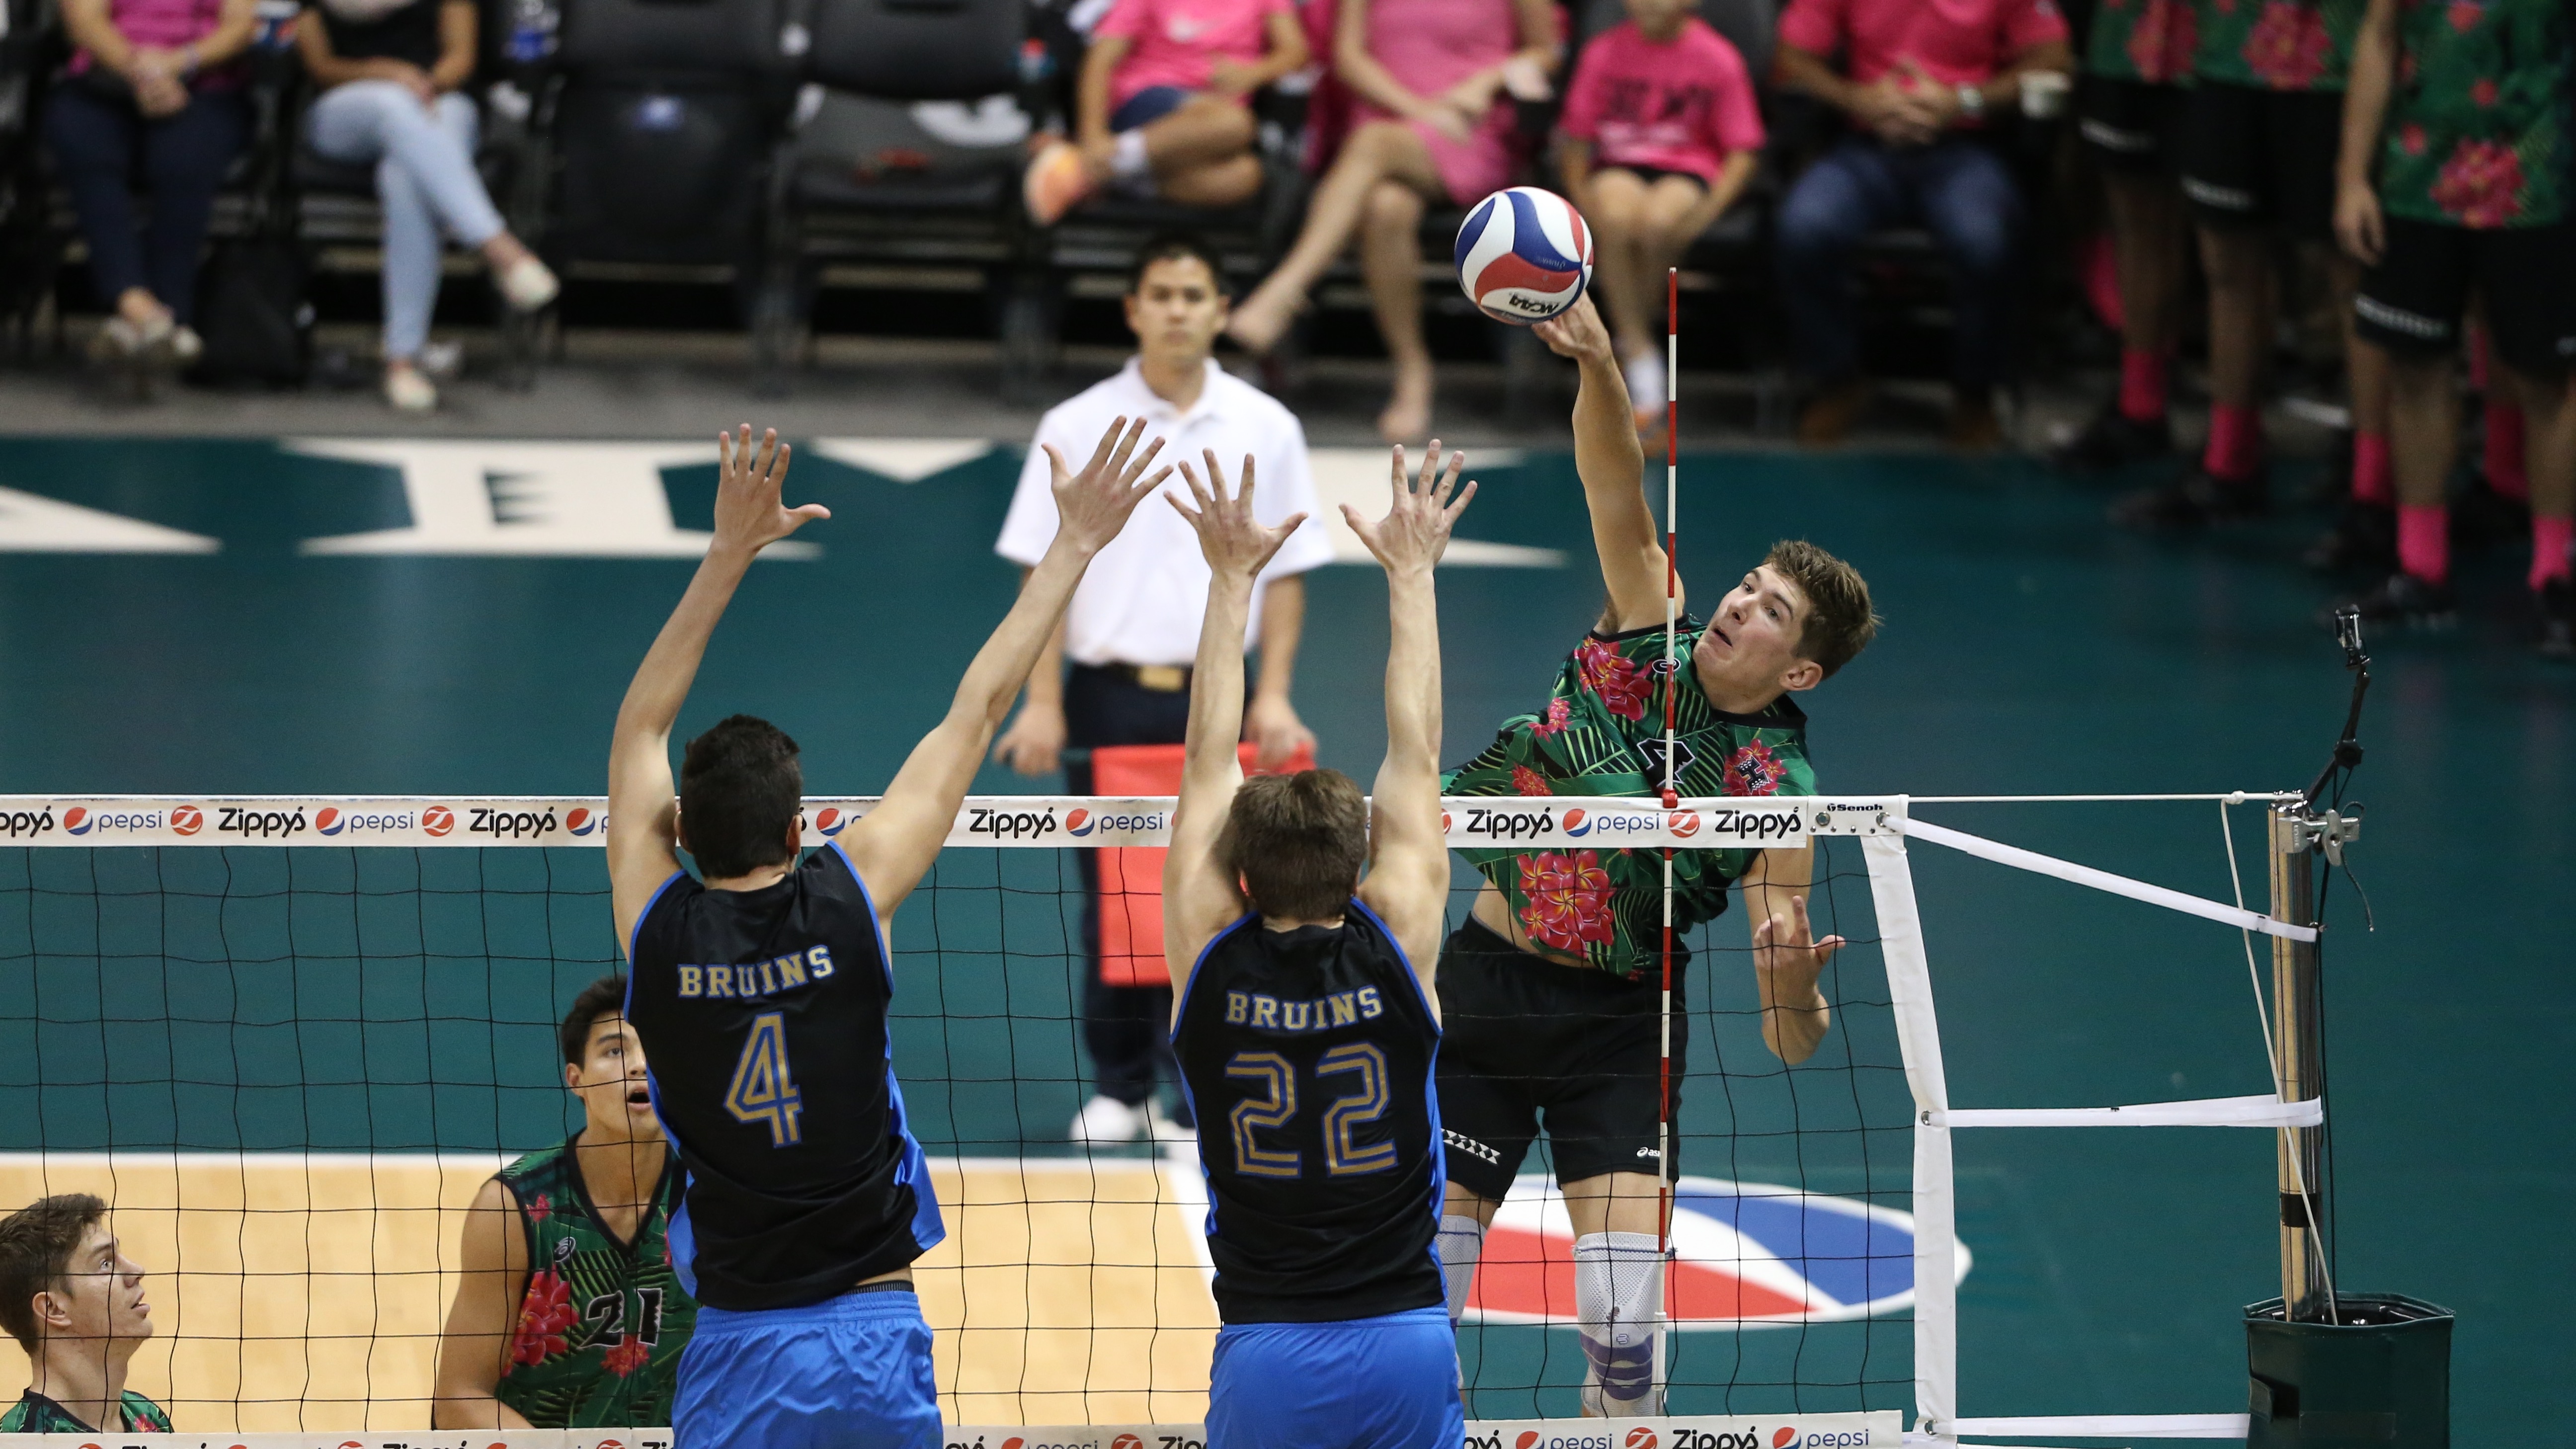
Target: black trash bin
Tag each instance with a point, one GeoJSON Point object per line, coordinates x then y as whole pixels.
{"type": "Point", "coordinates": [2380, 1378]}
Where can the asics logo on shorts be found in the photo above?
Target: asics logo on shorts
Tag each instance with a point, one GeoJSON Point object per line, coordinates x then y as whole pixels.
{"type": "Point", "coordinates": [1470, 1145]}
{"type": "Point", "coordinates": [2225, 198]}
{"type": "Point", "coordinates": [2398, 319]}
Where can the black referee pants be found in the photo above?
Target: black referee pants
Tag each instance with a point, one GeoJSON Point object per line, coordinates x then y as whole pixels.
{"type": "Point", "coordinates": [1127, 1029]}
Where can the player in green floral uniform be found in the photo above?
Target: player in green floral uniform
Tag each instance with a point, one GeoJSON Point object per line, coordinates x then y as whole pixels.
{"type": "Point", "coordinates": [2258, 140]}
{"type": "Point", "coordinates": [569, 1315]}
{"type": "Point", "coordinates": [2137, 72]}
{"type": "Point", "coordinates": [1550, 994]}
{"type": "Point", "coordinates": [2461, 106]}
{"type": "Point", "coordinates": [75, 1303]}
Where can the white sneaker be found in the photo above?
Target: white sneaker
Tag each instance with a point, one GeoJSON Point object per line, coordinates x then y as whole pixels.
{"type": "Point", "coordinates": [1105, 1120]}
{"type": "Point", "coordinates": [1164, 1129]}
{"type": "Point", "coordinates": [410, 392]}
{"type": "Point", "coordinates": [527, 284]}
{"type": "Point", "coordinates": [1645, 374]}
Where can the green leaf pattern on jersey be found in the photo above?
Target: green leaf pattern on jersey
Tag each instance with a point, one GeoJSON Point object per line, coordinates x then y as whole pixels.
{"type": "Point", "coordinates": [1602, 734]}
{"type": "Point", "coordinates": [601, 1324]}
{"type": "Point", "coordinates": [2476, 134]}
{"type": "Point", "coordinates": [2280, 45]}
{"type": "Point", "coordinates": [36, 1414]}
{"type": "Point", "coordinates": [2143, 40]}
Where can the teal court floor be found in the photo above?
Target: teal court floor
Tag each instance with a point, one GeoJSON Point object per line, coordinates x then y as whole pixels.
{"type": "Point", "coordinates": [388, 618]}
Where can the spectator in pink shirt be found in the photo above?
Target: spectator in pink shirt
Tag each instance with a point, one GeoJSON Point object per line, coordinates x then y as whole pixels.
{"type": "Point", "coordinates": [1161, 110]}
{"type": "Point", "coordinates": [1431, 123]}
{"type": "Point", "coordinates": [1918, 80]}
{"type": "Point", "coordinates": [1661, 132]}
{"type": "Point", "coordinates": [151, 96]}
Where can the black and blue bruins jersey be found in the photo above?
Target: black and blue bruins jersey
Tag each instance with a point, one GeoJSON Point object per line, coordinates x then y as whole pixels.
{"type": "Point", "coordinates": [1308, 1057]}
{"type": "Point", "coordinates": [763, 1018]}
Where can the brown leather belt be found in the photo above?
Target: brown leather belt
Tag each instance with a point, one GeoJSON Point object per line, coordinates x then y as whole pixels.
{"type": "Point", "coordinates": [1160, 678]}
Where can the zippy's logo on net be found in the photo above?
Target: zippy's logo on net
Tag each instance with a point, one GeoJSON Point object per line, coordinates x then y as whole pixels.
{"type": "Point", "coordinates": [1513, 824]}
{"type": "Point", "coordinates": [1012, 824]}
{"type": "Point", "coordinates": [14, 823]}
{"type": "Point", "coordinates": [258, 824]}
{"type": "Point", "coordinates": [511, 824]}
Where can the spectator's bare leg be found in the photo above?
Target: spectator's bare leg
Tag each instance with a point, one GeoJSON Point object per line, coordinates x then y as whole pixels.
{"type": "Point", "coordinates": [2425, 416]}
{"type": "Point", "coordinates": [2549, 443]}
{"type": "Point", "coordinates": [1677, 211]}
{"type": "Point", "coordinates": [2239, 263]}
{"type": "Point", "coordinates": [2365, 366]}
{"type": "Point", "coordinates": [1615, 205]}
{"type": "Point", "coordinates": [1391, 261]}
{"type": "Point", "coordinates": [2148, 237]}
{"type": "Point", "coordinates": [1378, 151]}
{"type": "Point", "coordinates": [1202, 131]}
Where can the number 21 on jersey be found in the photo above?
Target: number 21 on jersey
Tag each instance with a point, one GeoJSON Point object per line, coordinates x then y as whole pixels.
{"type": "Point", "coordinates": [762, 1089]}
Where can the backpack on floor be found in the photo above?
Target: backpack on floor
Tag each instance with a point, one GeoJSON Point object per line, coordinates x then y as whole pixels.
{"type": "Point", "coordinates": [252, 315]}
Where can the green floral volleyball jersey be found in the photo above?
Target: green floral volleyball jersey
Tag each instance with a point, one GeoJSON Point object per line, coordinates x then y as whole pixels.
{"type": "Point", "coordinates": [2477, 122]}
{"type": "Point", "coordinates": [36, 1414]}
{"type": "Point", "coordinates": [602, 1323]}
{"type": "Point", "coordinates": [2143, 40]}
{"type": "Point", "coordinates": [1602, 733]}
{"type": "Point", "coordinates": [2278, 45]}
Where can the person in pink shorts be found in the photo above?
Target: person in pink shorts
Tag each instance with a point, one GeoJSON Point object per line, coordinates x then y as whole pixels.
{"type": "Point", "coordinates": [1432, 123]}
{"type": "Point", "coordinates": [1661, 132]}
{"type": "Point", "coordinates": [1160, 109]}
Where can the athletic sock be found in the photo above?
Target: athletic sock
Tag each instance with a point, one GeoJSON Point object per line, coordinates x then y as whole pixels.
{"type": "Point", "coordinates": [2142, 385]}
{"type": "Point", "coordinates": [2504, 452]}
{"type": "Point", "coordinates": [2424, 541]}
{"type": "Point", "coordinates": [1618, 1298]}
{"type": "Point", "coordinates": [1127, 155]}
{"type": "Point", "coordinates": [2235, 443]}
{"type": "Point", "coordinates": [2549, 539]}
{"type": "Point", "coordinates": [1461, 1242]}
{"type": "Point", "coordinates": [2371, 479]}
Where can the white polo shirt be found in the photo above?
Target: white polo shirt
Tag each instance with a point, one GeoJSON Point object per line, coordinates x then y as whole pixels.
{"type": "Point", "coordinates": [1146, 593]}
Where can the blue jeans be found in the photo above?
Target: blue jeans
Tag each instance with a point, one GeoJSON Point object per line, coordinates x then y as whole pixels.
{"type": "Point", "coordinates": [1957, 189]}
{"type": "Point", "coordinates": [101, 146]}
{"type": "Point", "coordinates": [426, 181]}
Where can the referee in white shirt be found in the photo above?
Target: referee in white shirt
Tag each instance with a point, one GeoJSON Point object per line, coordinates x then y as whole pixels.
{"type": "Point", "coordinates": [1133, 628]}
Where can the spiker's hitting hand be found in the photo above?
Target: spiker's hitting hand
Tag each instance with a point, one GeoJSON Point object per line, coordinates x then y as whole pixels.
{"type": "Point", "coordinates": [1235, 543]}
{"type": "Point", "coordinates": [749, 514]}
{"type": "Point", "coordinates": [1415, 531]}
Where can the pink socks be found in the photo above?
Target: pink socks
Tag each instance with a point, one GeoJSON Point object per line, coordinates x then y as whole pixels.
{"type": "Point", "coordinates": [2504, 452]}
{"type": "Point", "coordinates": [2424, 541]}
{"type": "Point", "coordinates": [2142, 385]}
{"type": "Point", "coordinates": [2371, 479]}
{"type": "Point", "coordinates": [2235, 448]}
{"type": "Point", "coordinates": [2549, 538]}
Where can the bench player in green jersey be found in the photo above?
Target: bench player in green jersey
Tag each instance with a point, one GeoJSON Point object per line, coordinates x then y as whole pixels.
{"type": "Point", "coordinates": [75, 1303]}
{"type": "Point", "coordinates": [568, 1315]}
{"type": "Point", "coordinates": [1550, 993]}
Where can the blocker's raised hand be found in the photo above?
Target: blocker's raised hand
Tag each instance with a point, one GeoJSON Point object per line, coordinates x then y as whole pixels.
{"type": "Point", "coordinates": [749, 513]}
{"type": "Point", "coordinates": [1092, 505]}
{"type": "Point", "coordinates": [1234, 541]}
{"type": "Point", "coordinates": [1787, 957]}
{"type": "Point", "coordinates": [1415, 531]}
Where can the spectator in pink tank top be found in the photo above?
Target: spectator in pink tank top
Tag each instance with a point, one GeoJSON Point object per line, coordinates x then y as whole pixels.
{"type": "Point", "coordinates": [151, 95]}
{"type": "Point", "coordinates": [1660, 132]}
{"type": "Point", "coordinates": [1161, 106]}
{"type": "Point", "coordinates": [1431, 123]}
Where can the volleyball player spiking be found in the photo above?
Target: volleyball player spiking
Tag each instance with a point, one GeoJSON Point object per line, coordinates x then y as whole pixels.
{"type": "Point", "coordinates": [1306, 1029]}
{"type": "Point", "coordinates": [1553, 987]}
{"type": "Point", "coordinates": [760, 995]}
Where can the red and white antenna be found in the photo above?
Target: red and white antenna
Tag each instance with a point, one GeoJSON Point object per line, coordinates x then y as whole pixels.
{"type": "Point", "coordinates": [1672, 800]}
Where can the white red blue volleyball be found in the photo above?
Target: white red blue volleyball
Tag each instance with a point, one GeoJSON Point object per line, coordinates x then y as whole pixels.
{"type": "Point", "coordinates": [1524, 255]}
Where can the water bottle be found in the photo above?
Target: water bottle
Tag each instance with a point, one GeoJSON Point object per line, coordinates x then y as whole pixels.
{"type": "Point", "coordinates": [532, 30]}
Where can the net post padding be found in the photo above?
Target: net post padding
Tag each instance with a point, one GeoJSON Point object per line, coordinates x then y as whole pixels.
{"type": "Point", "coordinates": [1918, 1037]}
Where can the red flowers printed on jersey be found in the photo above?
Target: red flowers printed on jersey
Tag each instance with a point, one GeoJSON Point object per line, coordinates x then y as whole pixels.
{"type": "Point", "coordinates": [1753, 770]}
{"type": "Point", "coordinates": [630, 1354]}
{"type": "Point", "coordinates": [1553, 722]}
{"type": "Point", "coordinates": [1526, 781]}
{"type": "Point", "coordinates": [540, 1209]}
{"type": "Point", "coordinates": [2481, 184]}
{"type": "Point", "coordinates": [1621, 684]}
{"type": "Point", "coordinates": [2163, 41]}
{"type": "Point", "coordinates": [2288, 48]}
{"type": "Point", "coordinates": [545, 1316]}
{"type": "Point", "coordinates": [1569, 899]}
{"type": "Point", "coordinates": [2464, 15]}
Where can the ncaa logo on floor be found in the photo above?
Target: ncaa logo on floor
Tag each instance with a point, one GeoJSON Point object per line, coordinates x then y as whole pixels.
{"type": "Point", "coordinates": [1747, 1255]}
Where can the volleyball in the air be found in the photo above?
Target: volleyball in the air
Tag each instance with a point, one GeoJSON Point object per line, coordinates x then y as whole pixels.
{"type": "Point", "coordinates": [1524, 255]}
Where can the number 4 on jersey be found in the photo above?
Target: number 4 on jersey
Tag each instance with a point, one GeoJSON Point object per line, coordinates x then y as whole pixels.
{"type": "Point", "coordinates": [762, 1090]}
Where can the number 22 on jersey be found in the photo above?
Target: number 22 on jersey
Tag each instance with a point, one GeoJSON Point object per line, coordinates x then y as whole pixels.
{"type": "Point", "coordinates": [763, 1090]}
{"type": "Point", "coordinates": [1278, 1106]}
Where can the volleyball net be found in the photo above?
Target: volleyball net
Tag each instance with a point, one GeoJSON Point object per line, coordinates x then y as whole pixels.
{"type": "Point", "coordinates": [288, 1039]}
